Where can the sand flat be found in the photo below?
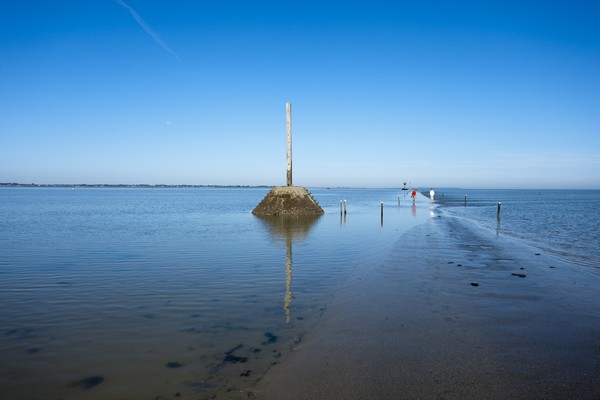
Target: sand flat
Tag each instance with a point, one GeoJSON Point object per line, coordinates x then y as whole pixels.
{"type": "Point", "coordinates": [456, 312]}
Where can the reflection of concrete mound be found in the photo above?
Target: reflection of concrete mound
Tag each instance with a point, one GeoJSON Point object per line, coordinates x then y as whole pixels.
{"type": "Point", "coordinates": [288, 200]}
{"type": "Point", "coordinates": [289, 226]}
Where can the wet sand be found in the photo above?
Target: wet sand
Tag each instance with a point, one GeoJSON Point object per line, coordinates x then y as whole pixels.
{"type": "Point", "coordinates": [456, 312]}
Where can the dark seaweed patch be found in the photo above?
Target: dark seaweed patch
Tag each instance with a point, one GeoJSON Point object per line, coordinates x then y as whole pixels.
{"type": "Point", "coordinates": [174, 364]}
{"type": "Point", "coordinates": [519, 275]}
{"type": "Point", "coordinates": [230, 358]}
{"type": "Point", "coordinates": [233, 359]}
{"type": "Point", "coordinates": [270, 339]}
{"type": "Point", "coordinates": [231, 351]}
{"type": "Point", "coordinates": [474, 284]}
{"type": "Point", "coordinates": [88, 383]}
{"type": "Point", "coordinates": [20, 333]}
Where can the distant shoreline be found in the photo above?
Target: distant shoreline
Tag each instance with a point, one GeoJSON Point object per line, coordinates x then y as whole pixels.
{"type": "Point", "coordinates": [109, 185]}
{"type": "Point", "coordinates": [150, 186]}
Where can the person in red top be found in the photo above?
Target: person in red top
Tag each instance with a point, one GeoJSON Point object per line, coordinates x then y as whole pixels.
{"type": "Point", "coordinates": [414, 194]}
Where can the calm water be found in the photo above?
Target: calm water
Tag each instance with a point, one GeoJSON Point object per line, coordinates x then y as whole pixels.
{"type": "Point", "coordinates": [171, 293]}
{"type": "Point", "coordinates": [564, 222]}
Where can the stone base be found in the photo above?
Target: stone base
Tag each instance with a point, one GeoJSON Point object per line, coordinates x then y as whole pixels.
{"type": "Point", "coordinates": [288, 200]}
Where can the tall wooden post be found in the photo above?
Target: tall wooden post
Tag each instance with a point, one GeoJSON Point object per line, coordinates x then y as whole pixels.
{"type": "Point", "coordinates": [288, 120]}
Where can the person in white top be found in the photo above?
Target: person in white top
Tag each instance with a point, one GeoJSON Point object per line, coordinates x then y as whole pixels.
{"type": "Point", "coordinates": [431, 194]}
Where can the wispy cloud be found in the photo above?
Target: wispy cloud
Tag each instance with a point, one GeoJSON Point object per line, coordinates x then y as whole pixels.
{"type": "Point", "coordinates": [148, 29]}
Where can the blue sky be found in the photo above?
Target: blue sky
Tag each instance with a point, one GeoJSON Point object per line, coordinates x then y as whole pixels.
{"type": "Point", "coordinates": [437, 93]}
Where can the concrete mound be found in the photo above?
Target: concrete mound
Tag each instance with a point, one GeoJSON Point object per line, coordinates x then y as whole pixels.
{"type": "Point", "coordinates": [288, 200]}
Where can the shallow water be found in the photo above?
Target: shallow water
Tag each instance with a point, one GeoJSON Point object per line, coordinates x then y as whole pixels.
{"type": "Point", "coordinates": [171, 293]}
{"type": "Point", "coordinates": [563, 222]}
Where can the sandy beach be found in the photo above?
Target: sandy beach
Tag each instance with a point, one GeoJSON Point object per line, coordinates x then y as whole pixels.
{"type": "Point", "coordinates": [456, 312]}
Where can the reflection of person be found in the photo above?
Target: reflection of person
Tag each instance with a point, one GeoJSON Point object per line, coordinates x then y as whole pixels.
{"type": "Point", "coordinates": [431, 194]}
{"type": "Point", "coordinates": [414, 194]}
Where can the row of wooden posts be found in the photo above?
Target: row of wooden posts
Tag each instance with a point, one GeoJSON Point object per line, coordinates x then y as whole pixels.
{"type": "Point", "coordinates": [345, 206]}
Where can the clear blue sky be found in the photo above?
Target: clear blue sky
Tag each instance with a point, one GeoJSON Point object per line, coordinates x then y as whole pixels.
{"type": "Point", "coordinates": [475, 94]}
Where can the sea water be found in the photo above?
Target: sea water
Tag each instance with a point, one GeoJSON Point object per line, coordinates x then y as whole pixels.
{"type": "Point", "coordinates": [172, 293]}
{"type": "Point", "coordinates": [563, 222]}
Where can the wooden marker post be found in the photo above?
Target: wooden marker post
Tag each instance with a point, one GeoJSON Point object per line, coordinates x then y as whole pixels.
{"type": "Point", "coordinates": [288, 120]}
{"type": "Point", "coordinates": [498, 211]}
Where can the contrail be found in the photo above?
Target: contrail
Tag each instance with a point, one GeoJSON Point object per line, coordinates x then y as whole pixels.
{"type": "Point", "coordinates": [147, 29]}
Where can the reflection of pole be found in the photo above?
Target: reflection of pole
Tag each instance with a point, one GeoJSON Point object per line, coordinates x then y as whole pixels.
{"type": "Point", "coordinates": [287, 299]}
{"type": "Point", "coordinates": [288, 120]}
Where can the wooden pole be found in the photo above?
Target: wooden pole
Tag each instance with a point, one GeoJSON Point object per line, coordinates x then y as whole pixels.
{"type": "Point", "coordinates": [288, 120]}
{"type": "Point", "coordinates": [498, 211]}
{"type": "Point", "coordinates": [344, 207]}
